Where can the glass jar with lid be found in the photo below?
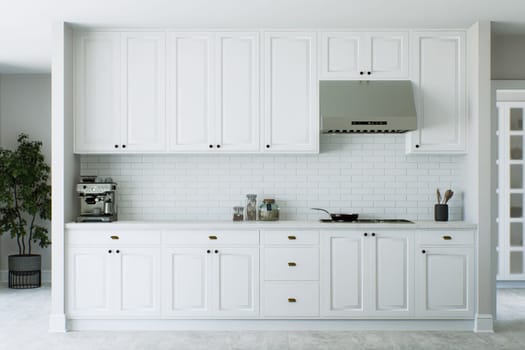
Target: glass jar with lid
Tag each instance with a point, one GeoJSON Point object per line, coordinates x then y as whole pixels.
{"type": "Point", "coordinates": [269, 210]}
{"type": "Point", "coordinates": [251, 207]}
{"type": "Point", "coordinates": [238, 213]}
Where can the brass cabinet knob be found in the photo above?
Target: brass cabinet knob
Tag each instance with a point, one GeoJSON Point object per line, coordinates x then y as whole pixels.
{"type": "Point", "coordinates": [291, 263]}
{"type": "Point", "coordinates": [114, 237]}
{"type": "Point", "coordinates": [292, 300]}
{"type": "Point", "coordinates": [447, 238]}
{"type": "Point", "coordinates": [212, 237]}
{"type": "Point", "coordinates": [292, 238]}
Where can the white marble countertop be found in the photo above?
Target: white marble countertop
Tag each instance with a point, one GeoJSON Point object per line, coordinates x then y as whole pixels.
{"type": "Point", "coordinates": [261, 225]}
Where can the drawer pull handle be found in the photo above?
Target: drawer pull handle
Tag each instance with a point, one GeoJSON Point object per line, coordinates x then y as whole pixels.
{"type": "Point", "coordinates": [212, 237]}
{"type": "Point", "coordinates": [292, 300]}
{"type": "Point", "coordinates": [292, 238]}
{"type": "Point", "coordinates": [291, 263]}
{"type": "Point", "coordinates": [447, 238]}
{"type": "Point", "coordinates": [114, 237]}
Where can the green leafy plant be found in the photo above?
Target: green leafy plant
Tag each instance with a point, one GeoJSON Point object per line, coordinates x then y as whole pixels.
{"type": "Point", "coordinates": [24, 194]}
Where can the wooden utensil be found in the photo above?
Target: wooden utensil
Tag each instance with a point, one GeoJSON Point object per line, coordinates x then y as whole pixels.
{"type": "Point", "coordinates": [448, 194]}
{"type": "Point", "coordinates": [438, 194]}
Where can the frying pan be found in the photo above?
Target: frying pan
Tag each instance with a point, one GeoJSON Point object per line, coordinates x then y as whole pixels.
{"type": "Point", "coordinates": [339, 217]}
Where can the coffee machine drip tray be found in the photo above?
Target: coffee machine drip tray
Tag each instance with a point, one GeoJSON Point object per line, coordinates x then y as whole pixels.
{"type": "Point", "coordinates": [93, 218]}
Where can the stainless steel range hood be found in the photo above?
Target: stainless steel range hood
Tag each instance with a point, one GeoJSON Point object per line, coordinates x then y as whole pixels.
{"type": "Point", "coordinates": [379, 106]}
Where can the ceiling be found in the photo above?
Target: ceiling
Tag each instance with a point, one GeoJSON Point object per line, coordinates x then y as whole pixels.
{"type": "Point", "coordinates": [25, 25]}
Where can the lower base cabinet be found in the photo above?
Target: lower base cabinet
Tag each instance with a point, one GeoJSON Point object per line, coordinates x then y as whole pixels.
{"type": "Point", "coordinates": [445, 281]}
{"type": "Point", "coordinates": [113, 282]}
{"type": "Point", "coordinates": [210, 282]}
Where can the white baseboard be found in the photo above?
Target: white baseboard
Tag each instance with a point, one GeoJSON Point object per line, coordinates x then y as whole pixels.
{"type": "Point", "coordinates": [57, 323]}
{"type": "Point", "coordinates": [46, 276]}
{"type": "Point", "coordinates": [484, 323]}
{"type": "Point", "coordinates": [287, 325]}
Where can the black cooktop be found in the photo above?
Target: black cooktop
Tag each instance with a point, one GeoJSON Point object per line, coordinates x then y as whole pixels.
{"type": "Point", "coordinates": [372, 221]}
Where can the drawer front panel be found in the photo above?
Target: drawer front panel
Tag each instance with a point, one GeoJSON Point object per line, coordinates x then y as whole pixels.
{"type": "Point", "coordinates": [446, 237]}
{"type": "Point", "coordinates": [291, 264]}
{"type": "Point", "coordinates": [111, 237]}
{"type": "Point", "coordinates": [207, 237]}
{"type": "Point", "coordinates": [290, 237]}
{"type": "Point", "coordinates": [291, 300]}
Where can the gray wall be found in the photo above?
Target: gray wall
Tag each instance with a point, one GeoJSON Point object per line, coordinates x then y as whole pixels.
{"type": "Point", "coordinates": [25, 106]}
{"type": "Point", "coordinates": [508, 57]}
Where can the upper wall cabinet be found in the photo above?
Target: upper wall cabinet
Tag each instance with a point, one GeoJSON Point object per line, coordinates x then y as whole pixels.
{"type": "Point", "coordinates": [119, 92]}
{"type": "Point", "coordinates": [364, 55]}
{"type": "Point", "coordinates": [439, 76]}
{"type": "Point", "coordinates": [97, 92]}
{"type": "Point", "coordinates": [291, 115]}
{"type": "Point", "coordinates": [213, 91]}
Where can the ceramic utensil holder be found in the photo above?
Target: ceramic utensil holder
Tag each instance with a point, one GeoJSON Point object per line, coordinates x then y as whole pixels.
{"type": "Point", "coordinates": [441, 212]}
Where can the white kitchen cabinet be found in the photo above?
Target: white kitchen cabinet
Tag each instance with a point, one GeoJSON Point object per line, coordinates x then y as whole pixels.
{"type": "Point", "coordinates": [367, 274]}
{"type": "Point", "coordinates": [439, 77]}
{"type": "Point", "coordinates": [113, 282]}
{"type": "Point", "coordinates": [364, 55]}
{"type": "Point", "coordinates": [143, 92]}
{"type": "Point", "coordinates": [210, 282]}
{"type": "Point", "coordinates": [119, 92]}
{"type": "Point", "coordinates": [290, 111]}
{"type": "Point", "coordinates": [97, 93]}
{"type": "Point", "coordinates": [213, 91]}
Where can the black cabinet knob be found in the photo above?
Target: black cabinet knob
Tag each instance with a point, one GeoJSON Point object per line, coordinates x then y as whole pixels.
{"type": "Point", "coordinates": [417, 146]}
{"type": "Point", "coordinates": [123, 146]}
{"type": "Point", "coordinates": [208, 251]}
{"type": "Point", "coordinates": [368, 72]}
{"type": "Point", "coordinates": [366, 234]}
{"type": "Point", "coordinates": [218, 146]}
{"type": "Point", "coordinates": [116, 146]}
{"type": "Point", "coordinates": [216, 251]}
{"type": "Point", "coordinates": [361, 73]}
{"type": "Point", "coordinates": [423, 251]}
{"type": "Point", "coordinates": [110, 251]}
{"type": "Point", "coordinates": [117, 251]}
{"type": "Point", "coordinates": [267, 146]}
{"type": "Point", "coordinates": [373, 234]}
{"type": "Point", "coordinates": [211, 146]}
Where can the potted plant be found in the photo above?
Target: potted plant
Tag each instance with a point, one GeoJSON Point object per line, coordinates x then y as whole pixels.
{"type": "Point", "coordinates": [24, 198]}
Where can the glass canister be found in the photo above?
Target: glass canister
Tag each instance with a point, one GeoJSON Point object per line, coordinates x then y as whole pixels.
{"type": "Point", "coordinates": [269, 210]}
{"type": "Point", "coordinates": [238, 213]}
{"type": "Point", "coordinates": [251, 207]}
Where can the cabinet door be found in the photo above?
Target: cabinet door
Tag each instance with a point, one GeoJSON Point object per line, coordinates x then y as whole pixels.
{"type": "Point", "coordinates": [189, 91]}
{"type": "Point", "coordinates": [343, 55]}
{"type": "Point", "coordinates": [97, 92]}
{"type": "Point", "coordinates": [291, 115]}
{"type": "Point", "coordinates": [186, 282]}
{"type": "Point", "coordinates": [388, 55]}
{"type": "Point", "coordinates": [237, 92]}
{"type": "Point", "coordinates": [438, 60]}
{"type": "Point", "coordinates": [138, 281]}
{"type": "Point", "coordinates": [391, 274]}
{"type": "Point", "coordinates": [89, 282]}
{"type": "Point", "coordinates": [445, 281]}
{"type": "Point", "coordinates": [343, 282]}
{"type": "Point", "coordinates": [143, 92]}
{"type": "Point", "coordinates": [236, 282]}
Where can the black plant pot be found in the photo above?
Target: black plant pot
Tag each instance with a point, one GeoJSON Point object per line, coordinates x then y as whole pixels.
{"type": "Point", "coordinates": [25, 271]}
{"type": "Point", "coordinates": [441, 212]}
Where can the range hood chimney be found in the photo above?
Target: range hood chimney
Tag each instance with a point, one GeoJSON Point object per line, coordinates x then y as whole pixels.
{"type": "Point", "coordinates": [379, 106]}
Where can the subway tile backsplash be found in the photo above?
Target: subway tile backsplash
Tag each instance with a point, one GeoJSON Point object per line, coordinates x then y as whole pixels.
{"type": "Point", "coordinates": [366, 174]}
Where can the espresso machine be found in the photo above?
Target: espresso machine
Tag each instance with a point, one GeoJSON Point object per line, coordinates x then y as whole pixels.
{"type": "Point", "coordinates": [98, 199]}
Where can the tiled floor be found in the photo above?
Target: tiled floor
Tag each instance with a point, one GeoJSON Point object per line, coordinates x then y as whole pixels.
{"type": "Point", "coordinates": [24, 321]}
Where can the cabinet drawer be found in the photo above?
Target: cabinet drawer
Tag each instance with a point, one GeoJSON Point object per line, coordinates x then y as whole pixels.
{"type": "Point", "coordinates": [446, 237]}
{"type": "Point", "coordinates": [291, 299]}
{"type": "Point", "coordinates": [207, 237]}
{"type": "Point", "coordinates": [292, 264]}
{"type": "Point", "coordinates": [290, 237]}
{"type": "Point", "coordinates": [111, 237]}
